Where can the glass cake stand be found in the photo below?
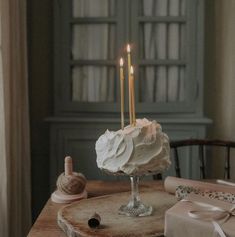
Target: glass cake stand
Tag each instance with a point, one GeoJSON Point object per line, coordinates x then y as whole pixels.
{"type": "Point", "coordinates": [135, 207]}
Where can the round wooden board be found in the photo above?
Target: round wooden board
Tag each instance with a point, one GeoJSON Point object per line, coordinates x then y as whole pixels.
{"type": "Point", "coordinates": [74, 217]}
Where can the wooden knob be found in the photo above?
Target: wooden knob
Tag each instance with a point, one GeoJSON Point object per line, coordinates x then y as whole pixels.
{"type": "Point", "coordinates": [68, 166]}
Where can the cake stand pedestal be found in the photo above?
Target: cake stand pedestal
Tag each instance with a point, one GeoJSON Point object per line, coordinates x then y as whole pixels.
{"type": "Point", "coordinates": [135, 207]}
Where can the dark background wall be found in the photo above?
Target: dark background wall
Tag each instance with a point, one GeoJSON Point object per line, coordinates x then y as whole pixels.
{"type": "Point", "coordinates": [40, 54]}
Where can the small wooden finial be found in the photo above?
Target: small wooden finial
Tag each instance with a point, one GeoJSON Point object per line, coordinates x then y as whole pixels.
{"type": "Point", "coordinates": [68, 165]}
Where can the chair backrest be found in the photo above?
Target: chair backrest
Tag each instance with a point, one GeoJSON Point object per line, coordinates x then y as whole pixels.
{"type": "Point", "coordinates": [201, 144]}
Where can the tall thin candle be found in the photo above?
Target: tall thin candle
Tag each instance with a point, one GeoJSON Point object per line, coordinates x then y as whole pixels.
{"type": "Point", "coordinates": [128, 49]}
{"type": "Point", "coordinates": [122, 92]}
{"type": "Point", "coordinates": [133, 94]}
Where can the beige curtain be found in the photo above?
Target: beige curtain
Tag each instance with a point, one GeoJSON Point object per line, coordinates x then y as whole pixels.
{"type": "Point", "coordinates": [15, 204]}
{"type": "Point", "coordinates": [220, 77]}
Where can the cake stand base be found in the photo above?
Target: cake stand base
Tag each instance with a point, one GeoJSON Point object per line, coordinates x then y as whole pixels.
{"type": "Point", "coordinates": [139, 210]}
{"type": "Point", "coordinates": [135, 207]}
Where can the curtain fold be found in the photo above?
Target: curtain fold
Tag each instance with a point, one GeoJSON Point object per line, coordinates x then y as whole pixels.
{"type": "Point", "coordinates": [3, 165]}
{"type": "Point", "coordinates": [15, 194]}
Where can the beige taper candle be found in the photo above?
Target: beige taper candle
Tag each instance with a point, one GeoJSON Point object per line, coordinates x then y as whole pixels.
{"type": "Point", "coordinates": [122, 92]}
{"type": "Point", "coordinates": [132, 95]}
{"type": "Point", "coordinates": [129, 82]}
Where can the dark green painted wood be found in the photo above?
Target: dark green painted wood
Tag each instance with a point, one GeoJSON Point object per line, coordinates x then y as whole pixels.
{"type": "Point", "coordinates": [162, 19]}
{"type": "Point", "coordinates": [40, 71]}
{"type": "Point", "coordinates": [86, 118]}
{"type": "Point", "coordinates": [96, 62]}
{"type": "Point", "coordinates": [200, 62]}
{"type": "Point", "coordinates": [157, 62]}
{"type": "Point", "coordinates": [93, 20]}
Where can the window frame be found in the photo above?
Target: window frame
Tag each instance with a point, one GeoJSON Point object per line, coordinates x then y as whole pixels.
{"type": "Point", "coordinates": [62, 61]}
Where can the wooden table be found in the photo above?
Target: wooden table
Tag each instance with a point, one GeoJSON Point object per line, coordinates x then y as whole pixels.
{"type": "Point", "coordinates": [46, 224]}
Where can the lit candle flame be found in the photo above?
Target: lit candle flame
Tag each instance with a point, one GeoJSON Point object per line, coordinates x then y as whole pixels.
{"type": "Point", "coordinates": [128, 48]}
{"type": "Point", "coordinates": [121, 62]}
{"type": "Point", "coordinates": [131, 70]}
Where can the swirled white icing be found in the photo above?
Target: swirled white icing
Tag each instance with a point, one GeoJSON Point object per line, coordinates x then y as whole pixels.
{"type": "Point", "coordinates": [134, 150]}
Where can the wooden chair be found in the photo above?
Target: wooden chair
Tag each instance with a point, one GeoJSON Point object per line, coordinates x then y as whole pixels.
{"type": "Point", "coordinates": [201, 143]}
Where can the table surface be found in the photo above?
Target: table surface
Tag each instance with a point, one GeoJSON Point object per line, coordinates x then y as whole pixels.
{"type": "Point", "coordinates": [46, 224]}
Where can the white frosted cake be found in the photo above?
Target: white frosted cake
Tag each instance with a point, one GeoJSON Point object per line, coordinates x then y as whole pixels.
{"type": "Point", "coordinates": [135, 150]}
